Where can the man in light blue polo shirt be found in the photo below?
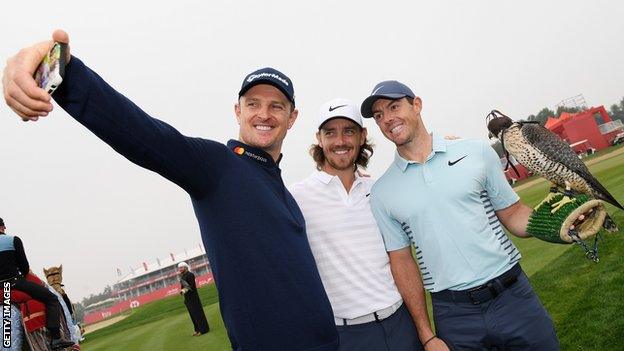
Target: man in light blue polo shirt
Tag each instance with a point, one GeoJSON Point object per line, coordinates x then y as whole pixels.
{"type": "Point", "coordinates": [450, 200]}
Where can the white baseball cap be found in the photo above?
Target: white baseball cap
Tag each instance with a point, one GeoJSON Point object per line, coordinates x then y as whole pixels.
{"type": "Point", "coordinates": [183, 264]}
{"type": "Point", "coordinates": [339, 108]}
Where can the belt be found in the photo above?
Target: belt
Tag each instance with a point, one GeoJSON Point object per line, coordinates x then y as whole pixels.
{"type": "Point", "coordinates": [481, 293]}
{"type": "Point", "coordinates": [371, 317]}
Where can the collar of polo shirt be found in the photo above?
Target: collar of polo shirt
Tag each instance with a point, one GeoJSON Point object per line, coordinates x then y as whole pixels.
{"type": "Point", "coordinates": [438, 145]}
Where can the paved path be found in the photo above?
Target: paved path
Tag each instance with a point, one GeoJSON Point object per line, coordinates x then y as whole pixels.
{"type": "Point", "coordinates": [99, 325]}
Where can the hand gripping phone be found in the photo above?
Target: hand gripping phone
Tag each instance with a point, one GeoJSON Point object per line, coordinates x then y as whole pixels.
{"type": "Point", "coordinates": [51, 70]}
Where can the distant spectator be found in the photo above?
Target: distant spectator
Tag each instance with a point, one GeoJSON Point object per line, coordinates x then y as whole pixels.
{"type": "Point", "coordinates": [191, 300]}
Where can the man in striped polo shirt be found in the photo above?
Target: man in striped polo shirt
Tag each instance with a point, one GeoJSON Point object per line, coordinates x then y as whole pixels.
{"type": "Point", "coordinates": [345, 240]}
{"type": "Point", "coordinates": [450, 199]}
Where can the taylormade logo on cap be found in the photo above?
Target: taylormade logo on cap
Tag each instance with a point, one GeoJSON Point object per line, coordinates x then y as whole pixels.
{"type": "Point", "coordinates": [267, 75]}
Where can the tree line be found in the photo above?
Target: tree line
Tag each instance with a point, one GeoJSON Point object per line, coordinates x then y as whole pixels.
{"type": "Point", "coordinates": [79, 307]}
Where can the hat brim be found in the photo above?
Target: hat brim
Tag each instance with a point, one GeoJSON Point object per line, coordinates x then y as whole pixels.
{"type": "Point", "coordinates": [269, 82]}
{"type": "Point", "coordinates": [367, 104]}
{"type": "Point", "coordinates": [337, 117]}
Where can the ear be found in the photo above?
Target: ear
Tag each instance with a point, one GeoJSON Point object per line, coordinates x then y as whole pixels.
{"type": "Point", "coordinates": [318, 138]}
{"type": "Point", "coordinates": [292, 118]}
{"type": "Point", "coordinates": [417, 105]}
{"type": "Point", "coordinates": [363, 136]}
{"type": "Point", "coordinates": [45, 271]}
{"type": "Point", "coordinates": [237, 112]}
{"type": "Point", "coordinates": [61, 268]}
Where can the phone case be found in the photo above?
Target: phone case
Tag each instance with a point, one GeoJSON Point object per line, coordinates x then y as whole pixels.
{"type": "Point", "coordinates": [50, 72]}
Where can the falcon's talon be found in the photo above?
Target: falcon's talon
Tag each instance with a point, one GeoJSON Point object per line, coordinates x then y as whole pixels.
{"type": "Point", "coordinates": [546, 199]}
{"type": "Point", "coordinates": [559, 204]}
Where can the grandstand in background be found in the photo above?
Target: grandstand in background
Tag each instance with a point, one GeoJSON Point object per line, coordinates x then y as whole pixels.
{"type": "Point", "coordinates": [150, 282]}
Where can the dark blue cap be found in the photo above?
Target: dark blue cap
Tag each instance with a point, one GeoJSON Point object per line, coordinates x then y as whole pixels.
{"type": "Point", "coordinates": [272, 77]}
{"type": "Point", "coordinates": [389, 89]}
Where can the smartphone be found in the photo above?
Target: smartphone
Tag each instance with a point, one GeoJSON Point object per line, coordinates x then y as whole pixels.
{"type": "Point", "coordinates": [51, 70]}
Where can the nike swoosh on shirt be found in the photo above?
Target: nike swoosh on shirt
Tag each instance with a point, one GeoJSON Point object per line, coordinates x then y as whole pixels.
{"type": "Point", "coordinates": [454, 162]}
{"type": "Point", "coordinates": [331, 108]}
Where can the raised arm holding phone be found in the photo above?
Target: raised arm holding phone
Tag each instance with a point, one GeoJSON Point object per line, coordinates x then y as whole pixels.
{"type": "Point", "coordinates": [271, 296]}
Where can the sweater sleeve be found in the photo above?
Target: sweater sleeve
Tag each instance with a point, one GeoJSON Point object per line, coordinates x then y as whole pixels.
{"type": "Point", "coordinates": [20, 256]}
{"type": "Point", "coordinates": [142, 139]}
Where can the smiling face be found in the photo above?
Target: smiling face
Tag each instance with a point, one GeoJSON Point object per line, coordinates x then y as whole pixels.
{"type": "Point", "coordinates": [398, 120]}
{"type": "Point", "coordinates": [340, 139]}
{"type": "Point", "coordinates": [264, 115]}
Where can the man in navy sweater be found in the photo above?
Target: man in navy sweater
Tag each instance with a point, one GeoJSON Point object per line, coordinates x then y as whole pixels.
{"type": "Point", "coordinates": [271, 296]}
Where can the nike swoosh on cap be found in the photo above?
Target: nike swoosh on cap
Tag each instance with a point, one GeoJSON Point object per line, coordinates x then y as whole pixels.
{"type": "Point", "coordinates": [376, 90]}
{"type": "Point", "coordinates": [331, 108]}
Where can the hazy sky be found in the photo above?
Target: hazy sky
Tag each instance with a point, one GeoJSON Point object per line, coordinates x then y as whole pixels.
{"type": "Point", "coordinates": [74, 201]}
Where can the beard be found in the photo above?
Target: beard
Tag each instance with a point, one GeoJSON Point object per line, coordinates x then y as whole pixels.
{"type": "Point", "coordinates": [341, 165]}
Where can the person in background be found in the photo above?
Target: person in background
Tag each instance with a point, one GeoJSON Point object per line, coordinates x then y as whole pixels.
{"type": "Point", "coordinates": [13, 267]}
{"type": "Point", "coordinates": [191, 299]}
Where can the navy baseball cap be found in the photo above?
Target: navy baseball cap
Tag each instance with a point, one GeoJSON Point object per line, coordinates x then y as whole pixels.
{"type": "Point", "coordinates": [272, 77]}
{"type": "Point", "coordinates": [389, 89]}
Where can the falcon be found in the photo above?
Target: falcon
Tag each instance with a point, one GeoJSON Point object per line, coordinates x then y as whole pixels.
{"type": "Point", "coordinates": [544, 153]}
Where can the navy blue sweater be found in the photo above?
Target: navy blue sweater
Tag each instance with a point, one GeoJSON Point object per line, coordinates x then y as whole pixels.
{"type": "Point", "coordinates": [270, 293]}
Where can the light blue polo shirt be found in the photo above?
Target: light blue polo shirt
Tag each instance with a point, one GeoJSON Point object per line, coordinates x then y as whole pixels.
{"type": "Point", "coordinates": [445, 207]}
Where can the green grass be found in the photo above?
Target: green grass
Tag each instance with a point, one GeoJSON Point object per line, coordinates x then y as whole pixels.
{"type": "Point", "coordinates": [603, 152]}
{"type": "Point", "coordinates": [583, 297]}
{"type": "Point", "coordinates": [162, 325]}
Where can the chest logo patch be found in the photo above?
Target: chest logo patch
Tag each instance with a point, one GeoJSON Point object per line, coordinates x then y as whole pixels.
{"type": "Point", "coordinates": [452, 163]}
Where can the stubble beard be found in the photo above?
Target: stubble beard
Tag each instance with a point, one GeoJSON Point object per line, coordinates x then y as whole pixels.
{"type": "Point", "coordinates": [350, 165]}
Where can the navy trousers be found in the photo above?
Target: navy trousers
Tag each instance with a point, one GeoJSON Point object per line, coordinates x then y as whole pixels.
{"type": "Point", "coordinates": [514, 320]}
{"type": "Point", "coordinates": [395, 333]}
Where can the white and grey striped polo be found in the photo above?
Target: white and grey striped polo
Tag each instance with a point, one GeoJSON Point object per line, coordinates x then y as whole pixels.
{"type": "Point", "coordinates": [346, 243]}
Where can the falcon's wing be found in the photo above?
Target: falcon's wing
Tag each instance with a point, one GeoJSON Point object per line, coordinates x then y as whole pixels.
{"type": "Point", "coordinates": [560, 152]}
{"type": "Point", "coordinates": [554, 148]}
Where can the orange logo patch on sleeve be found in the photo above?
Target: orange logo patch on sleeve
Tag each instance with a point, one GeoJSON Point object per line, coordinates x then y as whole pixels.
{"type": "Point", "coordinates": [239, 150]}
